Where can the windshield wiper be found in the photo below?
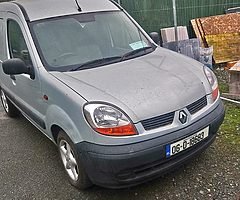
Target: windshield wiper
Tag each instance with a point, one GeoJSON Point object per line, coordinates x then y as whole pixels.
{"type": "Point", "coordinates": [98, 62]}
{"type": "Point", "coordinates": [110, 60]}
{"type": "Point", "coordinates": [134, 52]}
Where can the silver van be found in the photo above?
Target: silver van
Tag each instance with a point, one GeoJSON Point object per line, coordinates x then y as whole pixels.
{"type": "Point", "coordinates": [120, 109]}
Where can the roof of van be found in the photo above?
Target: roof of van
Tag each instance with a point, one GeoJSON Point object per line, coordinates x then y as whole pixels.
{"type": "Point", "coordinates": [36, 10]}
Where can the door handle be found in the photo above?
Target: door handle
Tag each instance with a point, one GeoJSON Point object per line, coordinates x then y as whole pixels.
{"type": "Point", "coordinates": [13, 77]}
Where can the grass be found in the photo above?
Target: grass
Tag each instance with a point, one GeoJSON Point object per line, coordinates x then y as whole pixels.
{"type": "Point", "coordinates": [224, 88]}
{"type": "Point", "coordinates": [230, 129]}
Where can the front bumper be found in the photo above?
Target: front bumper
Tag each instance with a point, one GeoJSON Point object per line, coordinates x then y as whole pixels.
{"type": "Point", "coordinates": [128, 165]}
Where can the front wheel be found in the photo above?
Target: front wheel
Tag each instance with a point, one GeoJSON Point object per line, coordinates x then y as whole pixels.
{"type": "Point", "coordinates": [71, 162]}
{"type": "Point", "coordinates": [9, 108]}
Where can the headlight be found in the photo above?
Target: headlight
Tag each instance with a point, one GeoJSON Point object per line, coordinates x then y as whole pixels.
{"type": "Point", "coordinates": [108, 120]}
{"type": "Point", "coordinates": [213, 82]}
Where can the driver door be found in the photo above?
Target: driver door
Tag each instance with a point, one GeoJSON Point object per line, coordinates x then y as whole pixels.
{"type": "Point", "coordinates": [26, 91]}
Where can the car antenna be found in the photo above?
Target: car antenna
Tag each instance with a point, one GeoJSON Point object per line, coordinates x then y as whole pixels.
{"type": "Point", "coordinates": [79, 8]}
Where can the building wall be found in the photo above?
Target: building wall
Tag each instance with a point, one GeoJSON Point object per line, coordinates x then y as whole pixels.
{"type": "Point", "coordinates": [156, 14]}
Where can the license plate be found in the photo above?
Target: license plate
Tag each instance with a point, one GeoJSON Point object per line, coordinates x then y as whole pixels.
{"type": "Point", "coordinates": [177, 147]}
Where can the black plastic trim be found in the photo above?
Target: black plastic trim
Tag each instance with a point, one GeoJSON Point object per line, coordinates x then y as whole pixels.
{"type": "Point", "coordinates": [159, 121]}
{"type": "Point", "coordinates": [197, 105]}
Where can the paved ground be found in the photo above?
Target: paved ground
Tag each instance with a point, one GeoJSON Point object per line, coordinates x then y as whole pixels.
{"type": "Point", "coordinates": [30, 169]}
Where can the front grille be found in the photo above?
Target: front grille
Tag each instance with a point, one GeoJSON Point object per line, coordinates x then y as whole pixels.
{"type": "Point", "coordinates": [167, 119]}
{"type": "Point", "coordinates": [158, 121]}
{"type": "Point", "coordinates": [197, 105]}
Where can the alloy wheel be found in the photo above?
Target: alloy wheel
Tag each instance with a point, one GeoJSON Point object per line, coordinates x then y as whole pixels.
{"type": "Point", "coordinates": [4, 101]}
{"type": "Point", "coordinates": [68, 159]}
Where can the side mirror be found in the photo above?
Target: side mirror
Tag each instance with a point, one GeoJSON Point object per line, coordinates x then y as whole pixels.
{"type": "Point", "coordinates": [155, 37]}
{"type": "Point", "coordinates": [16, 66]}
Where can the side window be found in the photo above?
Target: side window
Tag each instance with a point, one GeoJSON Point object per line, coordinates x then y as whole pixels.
{"type": "Point", "coordinates": [17, 45]}
{"type": "Point", "coordinates": [2, 48]}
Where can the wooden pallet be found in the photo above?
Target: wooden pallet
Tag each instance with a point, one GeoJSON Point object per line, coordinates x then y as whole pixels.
{"type": "Point", "coordinates": [222, 32]}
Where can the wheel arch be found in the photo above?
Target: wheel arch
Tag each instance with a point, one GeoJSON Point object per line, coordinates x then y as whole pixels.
{"type": "Point", "coordinates": [57, 119]}
{"type": "Point", "coordinates": [55, 129]}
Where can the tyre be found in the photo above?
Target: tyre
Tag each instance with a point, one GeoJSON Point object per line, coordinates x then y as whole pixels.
{"type": "Point", "coordinates": [9, 108]}
{"type": "Point", "coordinates": [71, 162]}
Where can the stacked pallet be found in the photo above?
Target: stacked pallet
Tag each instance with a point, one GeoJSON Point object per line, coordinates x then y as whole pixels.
{"type": "Point", "coordinates": [168, 34]}
{"type": "Point", "coordinates": [184, 45]}
{"type": "Point", "coordinates": [223, 33]}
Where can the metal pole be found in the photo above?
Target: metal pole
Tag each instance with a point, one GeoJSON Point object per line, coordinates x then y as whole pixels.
{"type": "Point", "coordinates": [175, 21]}
{"type": "Point", "coordinates": [230, 100]}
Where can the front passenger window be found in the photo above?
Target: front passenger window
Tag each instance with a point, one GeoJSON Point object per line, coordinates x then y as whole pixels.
{"type": "Point", "coordinates": [17, 45]}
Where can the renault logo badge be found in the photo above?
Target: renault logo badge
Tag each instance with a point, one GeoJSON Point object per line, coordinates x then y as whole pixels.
{"type": "Point", "coordinates": [183, 116]}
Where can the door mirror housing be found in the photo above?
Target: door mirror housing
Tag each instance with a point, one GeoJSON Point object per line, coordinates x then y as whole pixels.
{"type": "Point", "coordinates": [16, 66]}
{"type": "Point", "coordinates": [155, 37]}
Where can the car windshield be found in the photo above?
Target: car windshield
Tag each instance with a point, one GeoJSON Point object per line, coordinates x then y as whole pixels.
{"type": "Point", "coordinates": [88, 40]}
